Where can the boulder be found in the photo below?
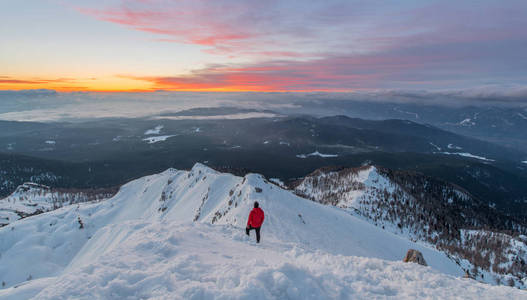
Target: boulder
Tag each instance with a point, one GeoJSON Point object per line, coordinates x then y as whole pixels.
{"type": "Point", "coordinates": [415, 256]}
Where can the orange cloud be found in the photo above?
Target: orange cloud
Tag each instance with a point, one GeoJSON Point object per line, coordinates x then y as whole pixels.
{"type": "Point", "coordinates": [319, 75]}
{"type": "Point", "coordinates": [10, 80]}
{"type": "Point", "coordinates": [72, 84]}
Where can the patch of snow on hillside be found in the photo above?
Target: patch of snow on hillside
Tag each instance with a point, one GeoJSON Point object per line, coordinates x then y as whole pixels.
{"type": "Point", "coordinates": [316, 153]}
{"type": "Point", "coordinates": [435, 146]}
{"type": "Point", "coordinates": [50, 142]}
{"type": "Point", "coordinates": [464, 154]}
{"type": "Point", "coordinates": [514, 248]}
{"type": "Point", "coordinates": [416, 115]}
{"type": "Point", "coordinates": [452, 146]}
{"type": "Point", "coordinates": [278, 182]}
{"type": "Point", "coordinates": [155, 139]}
{"type": "Point", "coordinates": [525, 161]}
{"type": "Point", "coordinates": [467, 122]}
{"type": "Point", "coordinates": [156, 130]}
{"type": "Point", "coordinates": [522, 116]}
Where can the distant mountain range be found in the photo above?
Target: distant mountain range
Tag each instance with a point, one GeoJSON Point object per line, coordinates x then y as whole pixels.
{"type": "Point", "coordinates": [109, 152]}
{"type": "Point", "coordinates": [505, 124]}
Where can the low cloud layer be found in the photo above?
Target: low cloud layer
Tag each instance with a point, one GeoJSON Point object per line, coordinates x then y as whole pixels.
{"type": "Point", "coordinates": [48, 105]}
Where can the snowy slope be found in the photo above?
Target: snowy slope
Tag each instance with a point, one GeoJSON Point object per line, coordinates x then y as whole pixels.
{"type": "Point", "coordinates": [171, 260]}
{"type": "Point", "coordinates": [360, 191]}
{"type": "Point", "coordinates": [428, 210]}
{"type": "Point", "coordinates": [349, 191]}
{"type": "Point", "coordinates": [179, 234]}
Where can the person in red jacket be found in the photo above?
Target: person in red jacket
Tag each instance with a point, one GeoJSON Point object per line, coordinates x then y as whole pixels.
{"type": "Point", "coordinates": [255, 221]}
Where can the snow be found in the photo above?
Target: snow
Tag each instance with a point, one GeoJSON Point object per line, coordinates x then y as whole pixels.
{"type": "Point", "coordinates": [356, 191]}
{"type": "Point", "coordinates": [179, 235]}
{"type": "Point", "coordinates": [266, 142]}
{"type": "Point", "coordinates": [467, 122]}
{"type": "Point", "coordinates": [468, 155]}
{"type": "Point", "coordinates": [25, 200]}
{"type": "Point", "coordinates": [452, 146]}
{"type": "Point", "coordinates": [278, 182]}
{"type": "Point", "coordinates": [156, 130]}
{"type": "Point", "coordinates": [316, 153]}
{"type": "Point", "coordinates": [155, 139]}
{"type": "Point", "coordinates": [435, 146]}
{"type": "Point", "coordinates": [284, 143]}
{"type": "Point", "coordinates": [406, 112]}
{"type": "Point", "coordinates": [371, 195]}
{"type": "Point", "coordinates": [31, 198]}
{"type": "Point", "coordinates": [514, 247]}
{"type": "Point", "coordinates": [50, 142]}
{"type": "Point", "coordinates": [525, 161]}
{"type": "Point", "coordinates": [180, 264]}
{"type": "Point", "coordinates": [522, 116]}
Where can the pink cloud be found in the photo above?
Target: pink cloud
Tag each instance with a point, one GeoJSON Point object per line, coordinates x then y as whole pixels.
{"type": "Point", "coordinates": [335, 45]}
{"type": "Point", "coordinates": [216, 26]}
{"type": "Point", "coordinates": [281, 29]}
{"type": "Point", "coordinates": [332, 73]}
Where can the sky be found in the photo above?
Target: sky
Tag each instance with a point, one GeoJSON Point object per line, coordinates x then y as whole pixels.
{"type": "Point", "coordinates": [262, 46]}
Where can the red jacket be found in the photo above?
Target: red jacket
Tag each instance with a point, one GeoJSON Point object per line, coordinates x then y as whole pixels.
{"type": "Point", "coordinates": [256, 218]}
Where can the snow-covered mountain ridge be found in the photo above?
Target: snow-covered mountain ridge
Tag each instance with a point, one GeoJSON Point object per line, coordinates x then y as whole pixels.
{"type": "Point", "coordinates": [429, 210]}
{"type": "Point", "coordinates": [179, 235]}
{"type": "Point", "coordinates": [32, 199]}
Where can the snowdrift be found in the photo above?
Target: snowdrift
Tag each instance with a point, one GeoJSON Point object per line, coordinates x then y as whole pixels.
{"type": "Point", "coordinates": [179, 234]}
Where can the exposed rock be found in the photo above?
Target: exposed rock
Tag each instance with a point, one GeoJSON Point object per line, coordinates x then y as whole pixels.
{"type": "Point", "coordinates": [468, 275]}
{"type": "Point", "coordinates": [415, 256]}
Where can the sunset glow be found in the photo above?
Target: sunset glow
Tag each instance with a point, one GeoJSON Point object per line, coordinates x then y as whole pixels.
{"type": "Point", "coordinates": [260, 46]}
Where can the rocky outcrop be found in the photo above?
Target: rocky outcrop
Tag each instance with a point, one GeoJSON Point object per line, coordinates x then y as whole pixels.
{"type": "Point", "coordinates": [415, 256]}
{"type": "Point", "coordinates": [468, 275]}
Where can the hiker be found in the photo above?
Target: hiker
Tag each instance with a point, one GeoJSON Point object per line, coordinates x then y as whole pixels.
{"type": "Point", "coordinates": [256, 218]}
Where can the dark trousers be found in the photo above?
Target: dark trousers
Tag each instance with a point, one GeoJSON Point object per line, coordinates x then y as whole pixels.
{"type": "Point", "coordinates": [257, 229]}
